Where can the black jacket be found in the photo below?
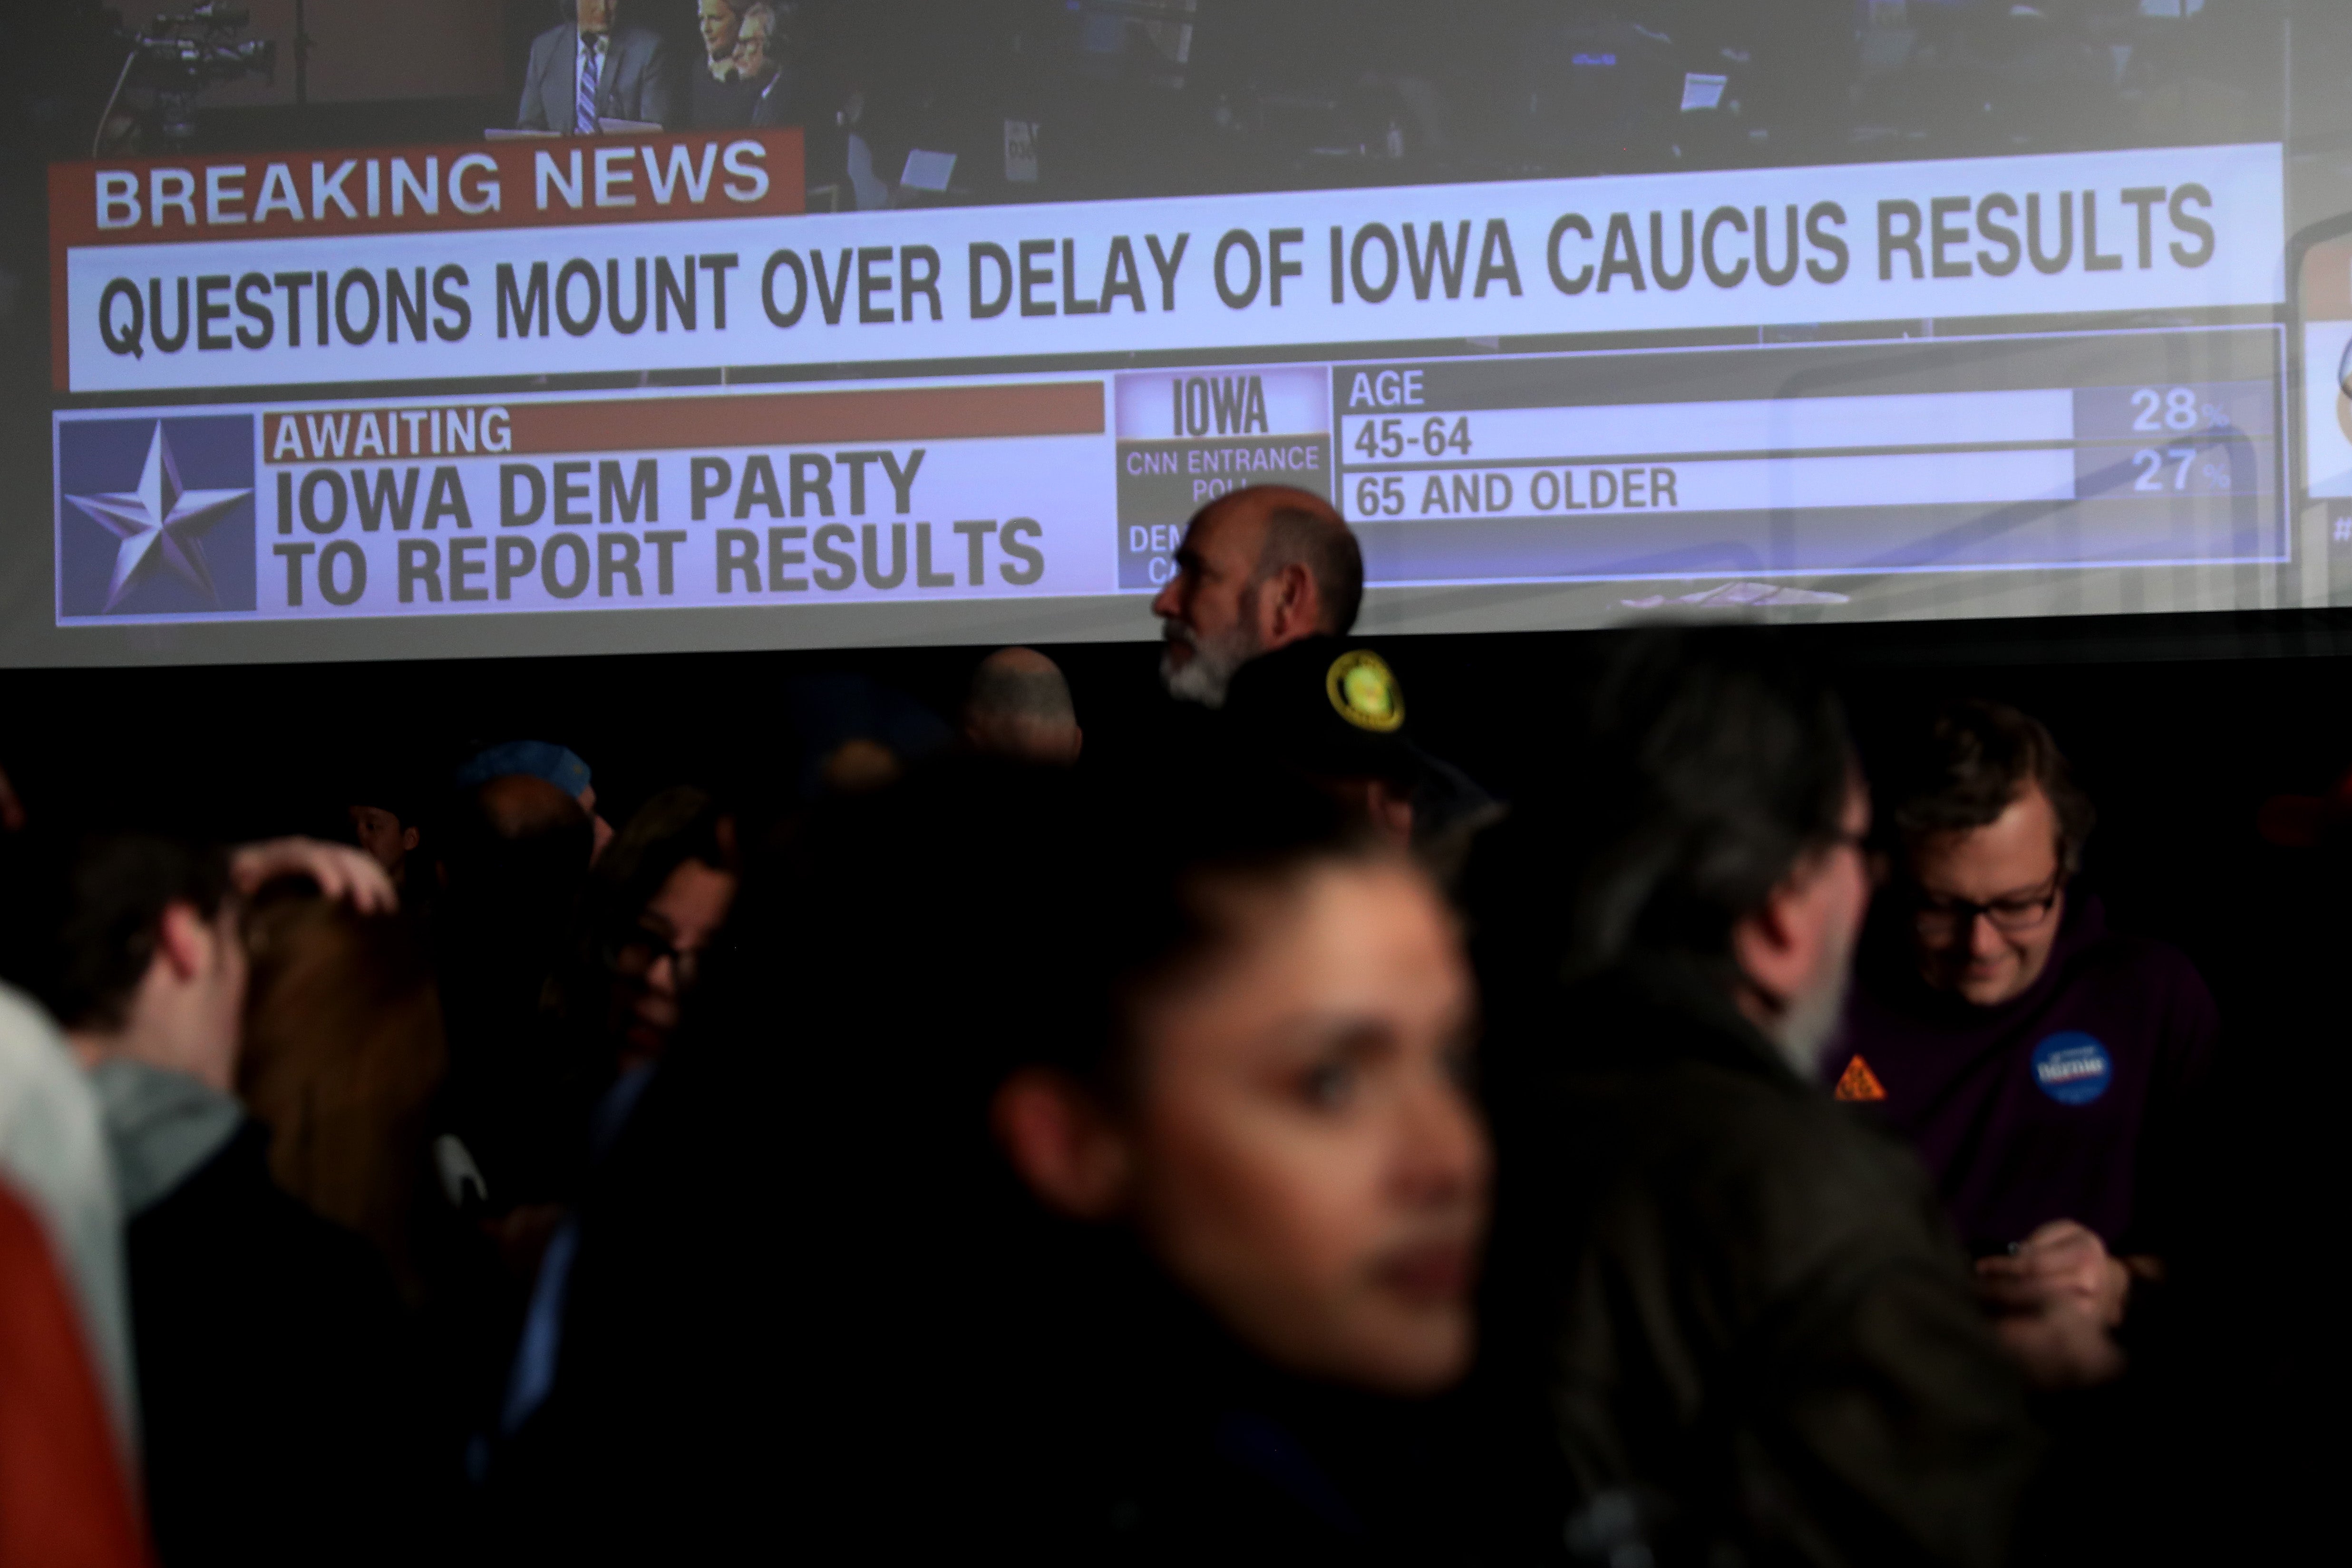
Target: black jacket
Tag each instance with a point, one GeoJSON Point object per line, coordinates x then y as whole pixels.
{"type": "Point", "coordinates": [1723, 1315]}
{"type": "Point", "coordinates": [272, 1377]}
{"type": "Point", "coordinates": [909, 1360]}
{"type": "Point", "coordinates": [1129, 1425]}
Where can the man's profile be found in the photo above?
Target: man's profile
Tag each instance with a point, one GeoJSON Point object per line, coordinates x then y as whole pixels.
{"type": "Point", "coordinates": [1259, 569]}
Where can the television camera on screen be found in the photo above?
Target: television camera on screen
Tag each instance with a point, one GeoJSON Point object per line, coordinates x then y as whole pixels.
{"type": "Point", "coordinates": [176, 58]}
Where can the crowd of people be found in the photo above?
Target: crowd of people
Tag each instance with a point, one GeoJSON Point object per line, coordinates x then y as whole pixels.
{"type": "Point", "coordinates": [1251, 1138]}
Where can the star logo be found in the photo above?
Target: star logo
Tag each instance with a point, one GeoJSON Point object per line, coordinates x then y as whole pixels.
{"type": "Point", "coordinates": [160, 526]}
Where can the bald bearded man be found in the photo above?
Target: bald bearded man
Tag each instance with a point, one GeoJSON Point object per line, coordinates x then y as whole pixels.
{"type": "Point", "coordinates": [1259, 569]}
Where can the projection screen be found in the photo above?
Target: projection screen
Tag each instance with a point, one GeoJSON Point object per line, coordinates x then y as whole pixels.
{"type": "Point", "coordinates": [1580, 313]}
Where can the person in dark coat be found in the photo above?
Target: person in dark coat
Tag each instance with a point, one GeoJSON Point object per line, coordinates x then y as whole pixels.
{"type": "Point", "coordinates": [271, 1350]}
{"type": "Point", "coordinates": [514, 857]}
{"type": "Point", "coordinates": [1724, 1323]}
{"type": "Point", "coordinates": [1330, 709]}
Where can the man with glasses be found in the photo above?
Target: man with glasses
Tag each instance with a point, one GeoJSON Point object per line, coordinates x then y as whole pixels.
{"type": "Point", "coordinates": [769, 52]}
{"type": "Point", "coordinates": [2041, 1063]}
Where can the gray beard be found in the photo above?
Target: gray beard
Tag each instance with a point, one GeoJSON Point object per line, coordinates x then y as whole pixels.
{"type": "Point", "coordinates": [1810, 1026]}
{"type": "Point", "coordinates": [1208, 675]}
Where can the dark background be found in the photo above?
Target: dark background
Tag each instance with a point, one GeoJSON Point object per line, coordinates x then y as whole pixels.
{"type": "Point", "coordinates": [2181, 728]}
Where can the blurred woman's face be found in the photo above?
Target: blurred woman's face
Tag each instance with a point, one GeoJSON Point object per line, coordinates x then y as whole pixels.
{"type": "Point", "coordinates": [654, 965]}
{"type": "Point", "coordinates": [1305, 1156]}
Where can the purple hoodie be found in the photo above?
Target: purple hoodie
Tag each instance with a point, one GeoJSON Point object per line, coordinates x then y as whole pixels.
{"type": "Point", "coordinates": [2060, 1103]}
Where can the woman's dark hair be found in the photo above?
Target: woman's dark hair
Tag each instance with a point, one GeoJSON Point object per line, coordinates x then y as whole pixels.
{"type": "Point", "coordinates": [1971, 763]}
{"type": "Point", "coordinates": [675, 826]}
{"type": "Point", "coordinates": [1167, 906]}
{"type": "Point", "coordinates": [981, 916]}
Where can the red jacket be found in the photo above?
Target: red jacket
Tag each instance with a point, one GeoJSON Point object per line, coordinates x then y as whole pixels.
{"type": "Point", "coordinates": [64, 1500]}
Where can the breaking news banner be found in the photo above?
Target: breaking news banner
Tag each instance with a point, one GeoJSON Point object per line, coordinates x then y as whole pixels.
{"type": "Point", "coordinates": [343, 210]}
{"type": "Point", "coordinates": [684, 252]}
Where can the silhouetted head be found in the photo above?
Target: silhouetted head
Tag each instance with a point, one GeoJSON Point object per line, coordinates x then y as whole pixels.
{"type": "Point", "coordinates": [1713, 811]}
{"type": "Point", "coordinates": [1019, 708]}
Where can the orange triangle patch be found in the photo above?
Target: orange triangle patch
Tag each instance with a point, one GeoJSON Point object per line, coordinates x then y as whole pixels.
{"type": "Point", "coordinates": [1858, 1083]}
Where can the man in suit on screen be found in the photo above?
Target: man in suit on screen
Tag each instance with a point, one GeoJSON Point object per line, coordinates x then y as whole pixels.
{"type": "Point", "coordinates": [768, 48]}
{"type": "Point", "coordinates": [592, 69]}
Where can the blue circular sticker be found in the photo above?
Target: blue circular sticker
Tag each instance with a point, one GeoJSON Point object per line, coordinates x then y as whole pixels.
{"type": "Point", "coordinates": [2072, 1067]}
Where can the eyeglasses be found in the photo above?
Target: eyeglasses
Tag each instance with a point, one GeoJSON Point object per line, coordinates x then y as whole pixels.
{"type": "Point", "coordinates": [633, 957]}
{"type": "Point", "coordinates": [1941, 920]}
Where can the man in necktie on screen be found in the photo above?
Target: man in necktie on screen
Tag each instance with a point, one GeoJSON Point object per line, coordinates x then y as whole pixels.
{"type": "Point", "coordinates": [592, 69]}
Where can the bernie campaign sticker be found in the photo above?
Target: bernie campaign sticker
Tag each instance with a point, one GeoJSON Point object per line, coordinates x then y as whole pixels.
{"type": "Point", "coordinates": [2072, 1067]}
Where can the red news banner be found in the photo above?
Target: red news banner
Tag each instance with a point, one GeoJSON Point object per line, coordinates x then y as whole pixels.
{"type": "Point", "coordinates": [462, 188]}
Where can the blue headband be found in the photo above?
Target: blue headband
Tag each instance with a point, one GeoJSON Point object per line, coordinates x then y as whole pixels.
{"type": "Point", "coordinates": [540, 759]}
